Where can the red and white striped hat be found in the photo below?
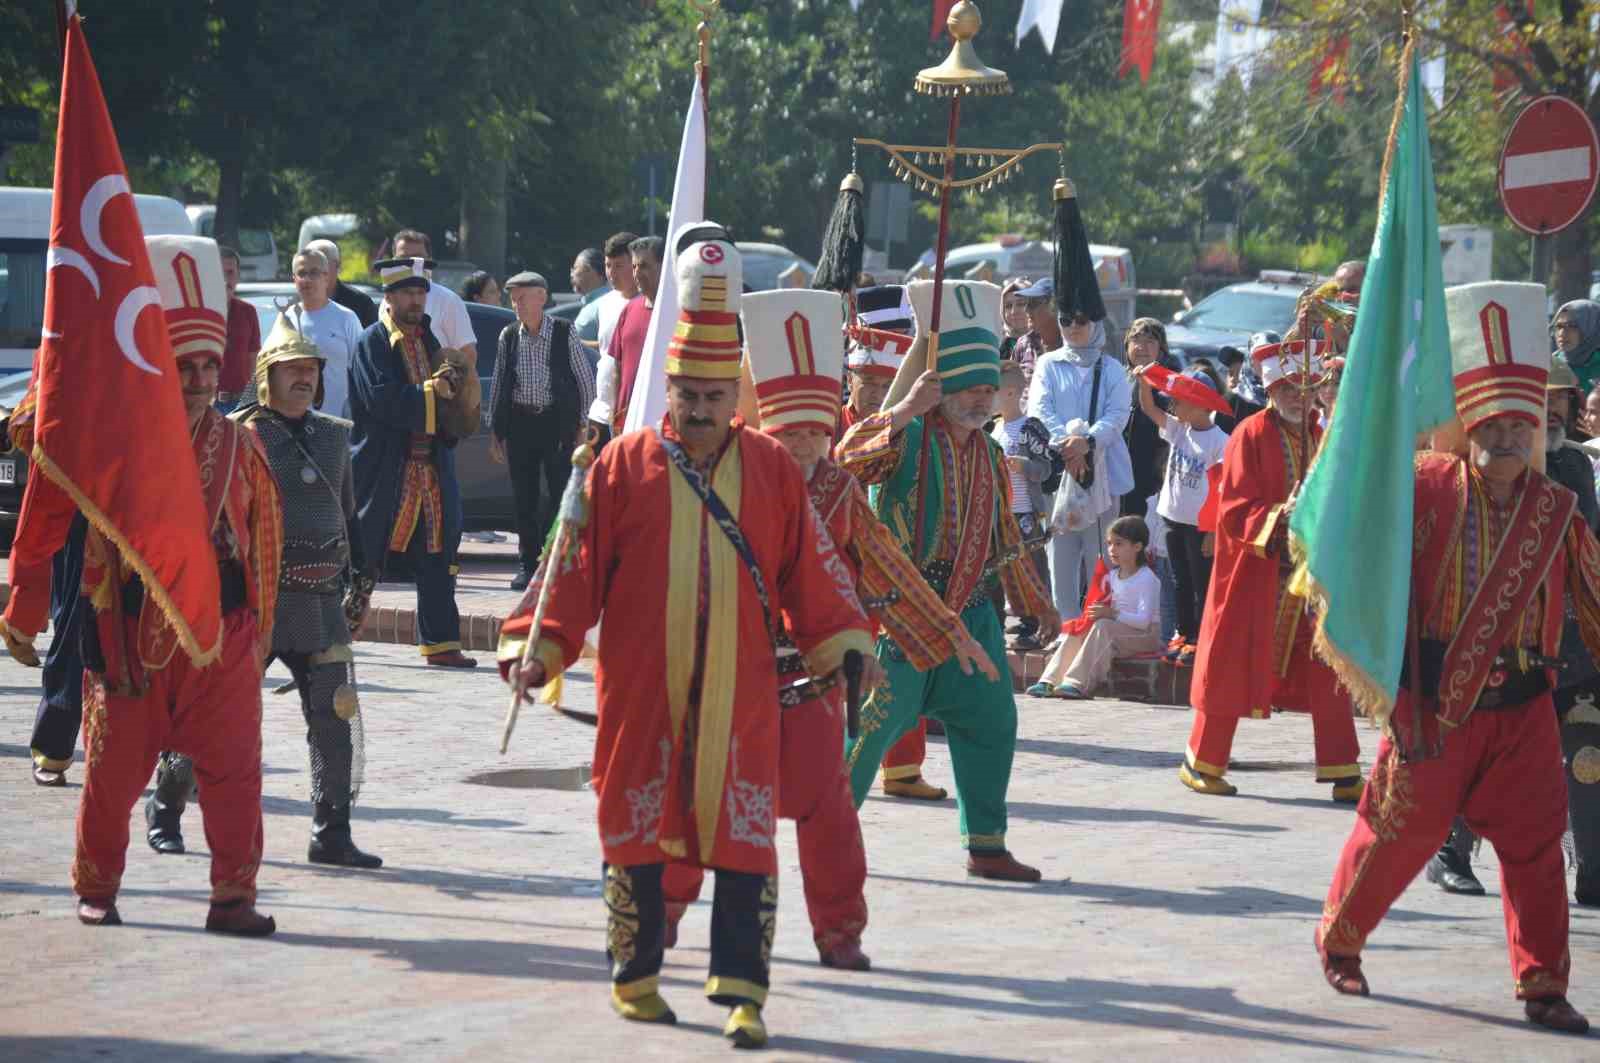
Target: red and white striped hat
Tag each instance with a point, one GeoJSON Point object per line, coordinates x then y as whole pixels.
{"type": "Point", "coordinates": [1499, 350]}
{"type": "Point", "coordinates": [882, 332]}
{"type": "Point", "coordinates": [188, 272]}
{"type": "Point", "coordinates": [796, 349]}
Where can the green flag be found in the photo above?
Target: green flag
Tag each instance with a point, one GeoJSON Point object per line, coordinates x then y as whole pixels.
{"type": "Point", "coordinates": [1351, 529]}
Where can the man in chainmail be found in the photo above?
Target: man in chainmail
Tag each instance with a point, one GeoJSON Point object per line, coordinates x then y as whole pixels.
{"type": "Point", "coordinates": [309, 453]}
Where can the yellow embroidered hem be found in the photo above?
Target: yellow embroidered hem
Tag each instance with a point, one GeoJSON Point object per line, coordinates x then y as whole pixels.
{"type": "Point", "coordinates": [49, 763]}
{"type": "Point", "coordinates": [1203, 767]}
{"type": "Point", "coordinates": [904, 771]}
{"type": "Point", "coordinates": [737, 988]}
{"type": "Point", "coordinates": [428, 649]}
{"type": "Point", "coordinates": [626, 991]}
{"type": "Point", "coordinates": [1336, 772]}
{"type": "Point", "coordinates": [983, 841]}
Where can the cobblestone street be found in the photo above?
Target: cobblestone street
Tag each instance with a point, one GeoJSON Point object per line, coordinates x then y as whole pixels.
{"type": "Point", "coordinates": [1168, 924]}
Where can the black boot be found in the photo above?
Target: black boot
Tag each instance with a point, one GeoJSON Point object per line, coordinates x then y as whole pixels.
{"type": "Point", "coordinates": [164, 811]}
{"type": "Point", "coordinates": [331, 842]}
{"type": "Point", "coordinates": [1451, 867]}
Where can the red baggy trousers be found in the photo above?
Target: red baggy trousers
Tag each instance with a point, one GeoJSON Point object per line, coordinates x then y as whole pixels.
{"type": "Point", "coordinates": [1310, 685]}
{"type": "Point", "coordinates": [905, 757]}
{"type": "Point", "coordinates": [814, 791]}
{"type": "Point", "coordinates": [1502, 770]}
{"type": "Point", "coordinates": [211, 714]}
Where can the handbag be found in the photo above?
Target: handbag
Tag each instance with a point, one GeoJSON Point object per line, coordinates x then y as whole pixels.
{"type": "Point", "coordinates": [1087, 479]}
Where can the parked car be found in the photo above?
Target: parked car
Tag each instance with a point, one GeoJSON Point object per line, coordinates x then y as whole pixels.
{"type": "Point", "coordinates": [258, 251]}
{"type": "Point", "coordinates": [13, 463]}
{"type": "Point", "coordinates": [764, 263]}
{"type": "Point", "coordinates": [1230, 316]}
{"type": "Point", "coordinates": [24, 242]}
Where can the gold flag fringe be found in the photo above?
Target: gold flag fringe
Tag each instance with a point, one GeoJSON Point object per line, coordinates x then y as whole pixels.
{"type": "Point", "coordinates": [201, 658]}
{"type": "Point", "coordinates": [1375, 701]}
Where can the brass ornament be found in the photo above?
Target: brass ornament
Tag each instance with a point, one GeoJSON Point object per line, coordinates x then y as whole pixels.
{"type": "Point", "coordinates": [345, 702]}
{"type": "Point", "coordinates": [1586, 765]}
{"type": "Point", "coordinates": [962, 73]}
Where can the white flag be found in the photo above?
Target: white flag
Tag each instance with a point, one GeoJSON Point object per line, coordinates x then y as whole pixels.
{"type": "Point", "coordinates": [1041, 15]}
{"type": "Point", "coordinates": [1240, 41]}
{"type": "Point", "coordinates": [649, 402]}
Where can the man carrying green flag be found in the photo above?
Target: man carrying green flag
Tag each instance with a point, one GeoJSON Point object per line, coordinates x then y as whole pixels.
{"type": "Point", "coordinates": [1468, 563]}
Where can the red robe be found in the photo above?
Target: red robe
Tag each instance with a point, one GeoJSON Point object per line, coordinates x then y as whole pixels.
{"type": "Point", "coordinates": [679, 776]}
{"type": "Point", "coordinates": [1487, 582]}
{"type": "Point", "coordinates": [1251, 624]}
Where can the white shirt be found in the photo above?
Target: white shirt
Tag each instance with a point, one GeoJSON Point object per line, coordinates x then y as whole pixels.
{"type": "Point", "coordinates": [336, 331]}
{"type": "Point", "coordinates": [448, 316]}
{"type": "Point", "coordinates": [1137, 598]}
{"type": "Point", "coordinates": [1193, 451]}
{"type": "Point", "coordinates": [609, 307]}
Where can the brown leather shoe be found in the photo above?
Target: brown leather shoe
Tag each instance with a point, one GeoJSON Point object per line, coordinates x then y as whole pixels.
{"type": "Point", "coordinates": [846, 956]}
{"type": "Point", "coordinates": [451, 659]}
{"type": "Point", "coordinates": [1554, 1013]}
{"type": "Point", "coordinates": [1344, 974]}
{"type": "Point", "coordinates": [916, 788]}
{"type": "Point", "coordinates": [1002, 866]}
{"type": "Point", "coordinates": [92, 912]}
{"type": "Point", "coordinates": [240, 918]}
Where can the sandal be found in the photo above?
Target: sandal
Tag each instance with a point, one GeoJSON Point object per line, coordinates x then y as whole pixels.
{"type": "Point", "coordinates": [1041, 689]}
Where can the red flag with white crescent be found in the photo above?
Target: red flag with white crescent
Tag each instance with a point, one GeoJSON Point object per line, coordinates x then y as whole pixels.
{"type": "Point", "coordinates": [1140, 21]}
{"type": "Point", "coordinates": [111, 438]}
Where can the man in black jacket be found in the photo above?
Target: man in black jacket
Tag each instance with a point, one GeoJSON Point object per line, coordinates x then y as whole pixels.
{"type": "Point", "coordinates": [543, 385]}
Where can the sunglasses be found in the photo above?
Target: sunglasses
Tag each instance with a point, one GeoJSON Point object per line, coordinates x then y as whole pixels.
{"type": "Point", "coordinates": [1038, 302]}
{"type": "Point", "coordinates": [1078, 319]}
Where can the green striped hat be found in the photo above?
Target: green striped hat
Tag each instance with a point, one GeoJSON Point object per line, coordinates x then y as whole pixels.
{"type": "Point", "coordinates": [969, 331]}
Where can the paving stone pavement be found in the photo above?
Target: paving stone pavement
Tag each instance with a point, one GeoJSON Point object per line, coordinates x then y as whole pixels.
{"type": "Point", "coordinates": [1168, 923]}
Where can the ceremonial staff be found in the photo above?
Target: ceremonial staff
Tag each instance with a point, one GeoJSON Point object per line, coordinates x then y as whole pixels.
{"type": "Point", "coordinates": [961, 74]}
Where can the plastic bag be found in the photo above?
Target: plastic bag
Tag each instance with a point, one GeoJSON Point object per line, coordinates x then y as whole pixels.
{"type": "Point", "coordinates": [1073, 510]}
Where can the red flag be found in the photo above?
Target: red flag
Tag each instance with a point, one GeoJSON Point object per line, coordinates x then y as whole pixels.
{"type": "Point", "coordinates": [1140, 20]}
{"type": "Point", "coordinates": [1510, 44]}
{"type": "Point", "coordinates": [1330, 75]}
{"type": "Point", "coordinates": [1099, 591]}
{"type": "Point", "coordinates": [941, 12]}
{"type": "Point", "coordinates": [111, 436]}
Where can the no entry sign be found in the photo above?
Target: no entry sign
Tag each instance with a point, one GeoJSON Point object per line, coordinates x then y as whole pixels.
{"type": "Point", "coordinates": [1549, 166]}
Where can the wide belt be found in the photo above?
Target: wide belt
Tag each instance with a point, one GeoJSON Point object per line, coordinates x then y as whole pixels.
{"type": "Point", "coordinates": [938, 574]}
{"type": "Point", "coordinates": [1517, 676]}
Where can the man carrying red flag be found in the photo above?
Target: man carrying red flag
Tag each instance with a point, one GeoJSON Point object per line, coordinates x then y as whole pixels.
{"type": "Point", "coordinates": [143, 694]}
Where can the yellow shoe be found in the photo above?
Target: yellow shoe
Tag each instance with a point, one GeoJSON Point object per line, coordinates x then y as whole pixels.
{"type": "Point", "coordinates": [648, 1008]}
{"type": "Point", "coordinates": [1349, 793]}
{"type": "Point", "coordinates": [1201, 783]}
{"type": "Point", "coordinates": [914, 788]}
{"type": "Point", "coordinates": [745, 1028]}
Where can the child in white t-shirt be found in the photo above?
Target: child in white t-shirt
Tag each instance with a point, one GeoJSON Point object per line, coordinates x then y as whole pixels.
{"type": "Point", "coordinates": [1194, 445]}
{"type": "Point", "coordinates": [1121, 618]}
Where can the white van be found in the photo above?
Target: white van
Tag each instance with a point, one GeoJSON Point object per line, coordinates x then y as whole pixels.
{"type": "Point", "coordinates": [24, 240]}
{"type": "Point", "coordinates": [1013, 256]}
{"type": "Point", "coordinates": [258, 251]}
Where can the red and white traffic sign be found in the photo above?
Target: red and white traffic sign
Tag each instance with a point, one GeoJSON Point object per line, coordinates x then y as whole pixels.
{"type": "Point", "coordinates": [1549, 166]}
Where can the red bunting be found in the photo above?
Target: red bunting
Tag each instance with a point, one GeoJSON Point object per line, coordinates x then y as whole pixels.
{"type": "Point", "coordinates": [1140, 20]}
{"type": "Point", "coordinates": [1332, 73]}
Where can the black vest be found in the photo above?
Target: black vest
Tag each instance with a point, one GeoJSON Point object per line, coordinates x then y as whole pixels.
{"type": "Point", "coordinates": [564, 395]}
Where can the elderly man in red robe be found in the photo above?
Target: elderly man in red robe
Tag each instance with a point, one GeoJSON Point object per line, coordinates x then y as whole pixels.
{"type": "Point", "coordinates": [700, 540]}
{"type": "Point", "coordinates": [1255, 642]}
{"type": "Point", "coordinates": [796, 351]}
{"type": "Point", "coordinates": [1501, 554]}
{"type": "Point", "coordinates": [142, 693]}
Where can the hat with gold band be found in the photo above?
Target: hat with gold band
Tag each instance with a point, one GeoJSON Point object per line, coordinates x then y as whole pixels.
{"type": "Point", "coordinates": [796, 356]}
{"type": "Point", "coordinates": [705, 341]}
{"type": "Point", "coordinates": [1498, 350]}
{"type": "Point", "coordinates": [397, 273]}
{"type": "Point", "coordinates": [188, 272]}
